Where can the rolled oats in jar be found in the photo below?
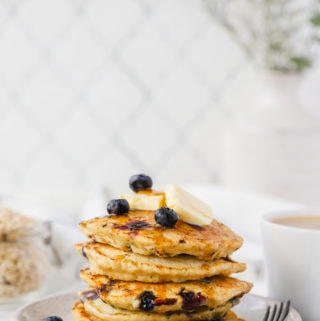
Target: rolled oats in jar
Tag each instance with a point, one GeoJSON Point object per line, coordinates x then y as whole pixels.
{"type": "Point", "coordinates": [23, 260]}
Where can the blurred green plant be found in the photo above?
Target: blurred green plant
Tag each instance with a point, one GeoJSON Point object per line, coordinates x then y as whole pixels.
{"type": "Point", "coordinates": [276, 34]}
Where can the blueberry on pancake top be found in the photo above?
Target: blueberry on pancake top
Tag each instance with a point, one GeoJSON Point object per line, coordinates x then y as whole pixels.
{"type": "Point", "coordinates": [140, 182]}
{"type": "Point", "coordinates": [166, 217]}
{"type": "Point", "coordinates": [118, 206]}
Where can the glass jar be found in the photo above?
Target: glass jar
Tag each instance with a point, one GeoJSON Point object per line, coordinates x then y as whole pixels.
{"type": "Point", "coordinates": [23, 260]}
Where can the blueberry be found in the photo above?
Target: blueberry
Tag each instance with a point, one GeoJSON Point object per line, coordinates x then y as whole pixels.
{"type": "Point", "coordinates": [140, 182]}
{"type": "Point", "coordinates": [191, 300]}
{"type": "Point", "coordinates": [52, 318]}
{"type": "Point", "coordinates": [118, 206]}
{"type": "Point", "coordinates": [147, 301]}
{"type": "Point", "coordinates": [83, 251]}
{"type": "Point", "coordinates": [166, 217]}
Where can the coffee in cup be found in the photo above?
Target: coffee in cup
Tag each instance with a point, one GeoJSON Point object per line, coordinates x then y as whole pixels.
{"type": "Point", "coordinates": [303, 221]}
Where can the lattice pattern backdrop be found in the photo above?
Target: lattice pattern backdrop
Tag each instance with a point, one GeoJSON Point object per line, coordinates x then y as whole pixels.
{"type": "Point", "coordinates": [93, 91]}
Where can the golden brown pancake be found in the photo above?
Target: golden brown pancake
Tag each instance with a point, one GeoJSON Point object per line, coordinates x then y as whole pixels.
{"type": "Point", "coordinates": [79, 314]}
{"type": "Point", "coordinates": [126, 266]}
{"type": "Point", "coordinates": [96, 308]}
{"type": "Point", "coordinates": [138, 232]}
{"type": "Point", "coordinates": [165, 297]}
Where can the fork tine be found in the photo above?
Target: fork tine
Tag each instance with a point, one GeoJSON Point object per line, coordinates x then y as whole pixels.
{"type": "Point", "coordinates": [266, 316]}
{"type": "Point", "coordinates": [277, 315]}
{"type": "Point", "coordinates": [273, 313]}
{"type": "Point", "coordinates": [286, 310]}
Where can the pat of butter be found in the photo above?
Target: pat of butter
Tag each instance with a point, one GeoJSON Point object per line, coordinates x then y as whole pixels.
{"type": "Point", "coordinates": [142, 201]}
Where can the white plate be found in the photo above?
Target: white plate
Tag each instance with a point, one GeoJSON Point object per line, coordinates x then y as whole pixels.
{"type": "Point", "coordinates": [58, 305]}
{"type": "Point", "coordinates": [251, 308]}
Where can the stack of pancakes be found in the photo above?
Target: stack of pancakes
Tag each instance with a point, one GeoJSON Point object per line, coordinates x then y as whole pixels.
{"type": "Point", "coordinates": [140, 271]}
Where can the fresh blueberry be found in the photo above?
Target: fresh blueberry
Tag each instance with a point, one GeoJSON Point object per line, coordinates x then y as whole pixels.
{"type": "Point", "coordinates": [118, 206]}
{"type": "Point", "coordinates": [52, 318]}
{"type": "Point", "coordinates": [166, 217]}
{"type": "Point", "coordinates": [140, 182]}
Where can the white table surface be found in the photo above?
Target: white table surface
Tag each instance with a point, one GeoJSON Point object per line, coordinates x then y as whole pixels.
{"type": "Point", "coordinates": [241, 210]}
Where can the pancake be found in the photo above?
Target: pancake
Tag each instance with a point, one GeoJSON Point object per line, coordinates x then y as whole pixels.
{"type": "Point", "coordinates": [126, 266]}
{"type": "Point", "coordinates": [138, 232]}
{"type": "Point", "coordinates": [101, 310]}
{"type": "Point", "coordinates": [79, 314]}
{"type": "Point", "coordinates": [165, 297]}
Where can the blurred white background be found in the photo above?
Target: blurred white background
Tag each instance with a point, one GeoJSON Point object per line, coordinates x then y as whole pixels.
{"type": "Point", "coordinates": [94, 91]}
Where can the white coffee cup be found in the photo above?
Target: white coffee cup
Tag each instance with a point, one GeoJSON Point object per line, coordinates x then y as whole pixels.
{"type": "Point", "coordinates": [292, 260]}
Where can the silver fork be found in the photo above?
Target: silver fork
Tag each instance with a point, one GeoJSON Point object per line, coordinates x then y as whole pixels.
{"type": "Point", "coordinates": [277, 312]}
